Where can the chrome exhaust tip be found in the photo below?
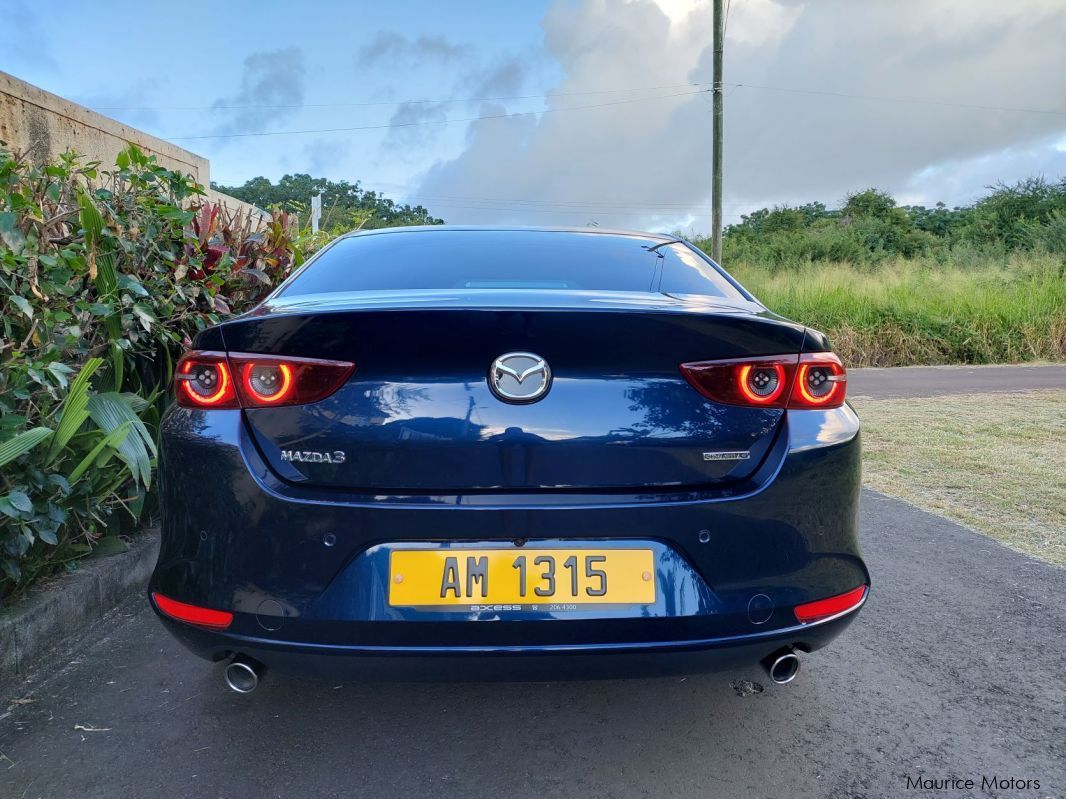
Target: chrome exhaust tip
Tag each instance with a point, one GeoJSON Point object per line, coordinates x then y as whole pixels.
{"type": "Point", "coordinates": [782, 666]}
{"type": "Point", "coordinates": [243, 674]}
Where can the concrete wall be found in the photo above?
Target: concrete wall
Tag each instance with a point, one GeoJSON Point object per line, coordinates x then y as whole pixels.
{"type": "Point", "coordinates": [43, 125]}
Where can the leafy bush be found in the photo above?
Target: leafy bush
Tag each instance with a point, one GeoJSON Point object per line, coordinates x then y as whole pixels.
{"type": "Point", "coordinates": [912, 285]}
{"type": "Point", "coordinates": [104, 276]}
{"type": "Point", "coordinates": [1015, 215]}
{"type": "Point", "coordinates": [870, 228]}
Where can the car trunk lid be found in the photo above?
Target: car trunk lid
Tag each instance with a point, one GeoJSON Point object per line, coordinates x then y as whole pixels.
{"type": "Point", "coordinates": [419, 415]}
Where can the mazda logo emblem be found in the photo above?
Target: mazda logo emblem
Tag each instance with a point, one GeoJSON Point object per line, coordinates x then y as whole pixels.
{"type": "Point", "coordinates": [520, 377]}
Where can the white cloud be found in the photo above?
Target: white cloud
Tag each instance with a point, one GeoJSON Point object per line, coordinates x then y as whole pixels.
{"type": "Point", "coordinates": [647, 164]}
{"type": "Point", "coordinates": [967, 179]}
{"type": "Point", "coordinates": [677, 11]}
{"type": "Point", "coordinates": [759, 23]}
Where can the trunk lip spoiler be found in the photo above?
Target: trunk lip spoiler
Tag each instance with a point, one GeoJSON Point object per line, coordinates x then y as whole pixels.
{"type": "Point", "coordinates": [509, 300]}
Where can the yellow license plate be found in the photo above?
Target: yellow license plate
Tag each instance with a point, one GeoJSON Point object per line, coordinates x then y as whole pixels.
{"type": "Point", "coordinates": [521, 579]}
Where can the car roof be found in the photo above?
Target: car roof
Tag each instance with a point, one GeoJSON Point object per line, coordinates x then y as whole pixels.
{"type": "Point", "coordinates": [510, 229]}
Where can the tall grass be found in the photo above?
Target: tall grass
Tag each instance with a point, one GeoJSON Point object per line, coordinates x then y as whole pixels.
{"type": "Point", "coordinates": [921, 311]}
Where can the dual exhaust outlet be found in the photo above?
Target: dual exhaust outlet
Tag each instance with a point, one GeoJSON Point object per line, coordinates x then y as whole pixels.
{"type": "Point", "coordinates": [243, 674]}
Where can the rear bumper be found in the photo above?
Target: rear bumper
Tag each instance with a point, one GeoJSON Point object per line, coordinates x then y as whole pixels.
{"type": "Point", "coordinates": [291, 564]}
{"type": "Point", "coordinates": [514, 662]}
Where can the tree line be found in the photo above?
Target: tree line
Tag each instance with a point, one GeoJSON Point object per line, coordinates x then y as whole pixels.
{"type": "Point", "coordinates": [869, 226]}
{"type": "Point", "coordinates": [345, 206]}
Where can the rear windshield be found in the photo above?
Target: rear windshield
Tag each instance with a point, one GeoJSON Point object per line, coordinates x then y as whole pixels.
{"type": "Point", "coordinates": [485, 259]}
{"type": "Point", "coordinates": [687, 272]}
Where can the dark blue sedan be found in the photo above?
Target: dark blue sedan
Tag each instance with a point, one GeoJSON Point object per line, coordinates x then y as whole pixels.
{"type": "Point", "coordinates": [508, 453]}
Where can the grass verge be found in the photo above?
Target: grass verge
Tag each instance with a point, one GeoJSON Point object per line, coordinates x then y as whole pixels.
{"type": "Point", "coordinates": [994, 462]}
{"type": "Point", "coordinates": [918, 311]}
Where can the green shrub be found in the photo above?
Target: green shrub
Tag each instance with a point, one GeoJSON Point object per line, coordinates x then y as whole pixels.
{"type": "Point", "coordinates": [1015, 215]}
{"type": "Point", "coordinates": [870, 228]}
{"type": "Point", "coordinates": [1051, 236]}
{"type": "Point", "coordinates": [104, 276]}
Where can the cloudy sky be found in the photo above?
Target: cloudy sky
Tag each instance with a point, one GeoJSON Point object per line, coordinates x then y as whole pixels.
{"type": "Point", "coordinates": [574, 111]}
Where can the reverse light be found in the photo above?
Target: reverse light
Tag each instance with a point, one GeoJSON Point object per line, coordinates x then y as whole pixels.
{"type": "Point", "coordinates": [192, 614]}
{"type": "Point", "coordinates": [247, 380]}
{"type": "Point", "coordinates": [832, 606]}
{"type": "Point", "coordinates": [807, 380]}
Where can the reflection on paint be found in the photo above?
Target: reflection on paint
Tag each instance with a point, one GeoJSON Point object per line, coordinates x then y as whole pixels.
{"type": "Point", "coordinates": [809, 429]}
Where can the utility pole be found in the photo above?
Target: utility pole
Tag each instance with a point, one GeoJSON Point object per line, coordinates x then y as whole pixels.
{"type": "Point", "coordinates": [716, 134]}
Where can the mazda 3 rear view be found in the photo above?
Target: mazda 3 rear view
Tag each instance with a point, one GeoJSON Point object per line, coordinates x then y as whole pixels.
{"type": "Point", "coordinates": [521, 453]}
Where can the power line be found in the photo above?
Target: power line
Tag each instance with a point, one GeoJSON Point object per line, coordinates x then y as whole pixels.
{"type": "Point", "coordinates": [890, 98]}
{"type": "Point", "coordinates": [851, 96]}
{"type": "Point", "coordinates": [389, 125]}
{"type": "Point", "coordinates": [549, 95]}
{"type": "Point", "coordinates": [371, 103]}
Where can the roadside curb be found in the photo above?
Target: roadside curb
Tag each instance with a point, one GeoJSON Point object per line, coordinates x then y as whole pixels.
{"type": "Point", "coordinates": [50, 615]}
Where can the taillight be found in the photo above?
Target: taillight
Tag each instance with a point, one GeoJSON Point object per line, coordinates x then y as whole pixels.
{"type": "Point", "coordinates": [204, 380]}
{"type": "Point", "coordinates": [821, 382]}
{"type": "Point", "coordinates": [762, 382]}
{"type": "Point", "coordinates": [832, 606]}
{"type": "Point", "coordinates": [268, 381]}
{"type": "Point", "coordinates": [193, 614]}
{"type": "Point", "coordinates": [256, 381]}
{"type": "Point", "coordinates": [810, 380]}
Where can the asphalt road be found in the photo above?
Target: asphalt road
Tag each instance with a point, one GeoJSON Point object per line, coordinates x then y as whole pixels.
{"type": "Point", "coordinates": [954, 669]}
{"type": "Point", "coordinates": [931, 381]}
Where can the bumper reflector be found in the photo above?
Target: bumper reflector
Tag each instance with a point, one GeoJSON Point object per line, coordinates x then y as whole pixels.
{"type": "Point", "coordinates": [191, 614]}
{"type": "Point", "coordinates": [824, 608]}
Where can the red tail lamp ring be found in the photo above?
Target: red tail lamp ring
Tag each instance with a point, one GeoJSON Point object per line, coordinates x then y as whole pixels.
{"type": "Point", "coordinates": [804, 380]}
{"type": "Point", "coordinates": [205, 381]}
{"type": "Point", "coordinates": [282, 373]}
{"type": "Point", "coordinates": [213, 380]}
{"type": "Point", "coordinates": [820, 382]}
{"type": "Point", "coordinates": [749, 376]}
